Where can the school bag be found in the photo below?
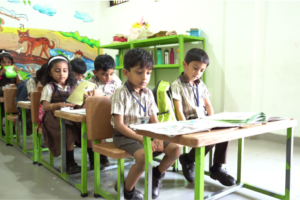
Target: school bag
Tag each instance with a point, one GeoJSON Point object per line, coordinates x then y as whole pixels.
{"type": "Point", "coordinates": [163, 98]}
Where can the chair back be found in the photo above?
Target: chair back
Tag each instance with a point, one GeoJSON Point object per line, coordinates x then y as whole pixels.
{"type": "Point", "coordinates": [98, 118]}
{"type": "Point", "coordinates": [9, 100]}
{"type": "Point", "coordinates": [35, 104]}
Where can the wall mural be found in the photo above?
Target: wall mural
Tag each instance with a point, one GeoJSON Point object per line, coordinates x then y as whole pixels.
{"type": "Point", "coordinates": [31, 47]}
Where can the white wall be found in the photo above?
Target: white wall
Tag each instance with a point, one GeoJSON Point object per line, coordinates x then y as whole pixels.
{"type": "Point", "coordinates": [254, 48]}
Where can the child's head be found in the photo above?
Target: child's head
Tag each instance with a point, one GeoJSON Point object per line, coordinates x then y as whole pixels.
{"type": "Point", "coordinates": [59, 70]}
{"type": "Point", "coordinates": [138, 65]}
{"type": "Point", "coordinates": [195, 63]}
{"type": "Point", "coordinates": [104, 68]}
{"type": "Point", "coordinates": [40, 72]}
{"type": "Point", "coordinates": [5, 58]}
{"type": "Point", "coordinates": [78, 68]}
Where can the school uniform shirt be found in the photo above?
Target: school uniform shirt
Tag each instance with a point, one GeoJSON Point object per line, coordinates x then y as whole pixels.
{"type": "Point", "coordinates": [107, 89]}
{"type": "Point", "coordinates": [47, 92]}
{"type": "Point", "coordinates": [123, 103]}
{"type": "Point", "coordinates": [183, 92]}
{"type": "Point", "coordinates": [31, 86]}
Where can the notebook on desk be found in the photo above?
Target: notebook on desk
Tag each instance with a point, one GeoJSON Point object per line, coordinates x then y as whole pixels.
{"type": "Point", "coordinates": [81, 111]}
{"type": "Point", "coordinates": [77, 96]}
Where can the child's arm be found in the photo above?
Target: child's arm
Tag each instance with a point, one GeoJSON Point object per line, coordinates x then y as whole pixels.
{"type": "Point", "coordinates": [208, 107]}
{"type": "Point", "coordinates": [179, 111]}
{"type": "Point", "coordinates": [122, 128]}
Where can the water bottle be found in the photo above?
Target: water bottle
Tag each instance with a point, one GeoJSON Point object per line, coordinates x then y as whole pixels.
{"type": "Point", "coordinates": [166, 56]}
{"type": "Point", "coordinates": [159, 57]}
{"type": "Point", "coordinates": [121, 58]}
{"type": "Point", "coordinates": [117, 60]}
{"type": "Point", "coordinates": [172, 56]}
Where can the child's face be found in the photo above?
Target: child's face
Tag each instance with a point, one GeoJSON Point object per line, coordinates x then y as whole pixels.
{"type": "Point", "coordinates": [139, 77]}
{"type": "Point", "coordinates": [60, 72]}
{"type": "Point", "coordinates": [105, 76]}
{"type": "Point", "coordinates": [5, 62]}
{"type": "Point", "coordinates": [194, 70]}
{"type": "Point", "coordinates": [78, 76]}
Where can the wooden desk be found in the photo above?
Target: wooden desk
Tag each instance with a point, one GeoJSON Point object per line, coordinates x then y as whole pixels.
{"type": "Point", "coordinates": [82, 186]}
{"type": "Point", "coordinates": [200, 140]}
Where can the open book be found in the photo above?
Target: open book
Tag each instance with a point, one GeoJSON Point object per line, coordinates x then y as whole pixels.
{"type": "Point", "coordinates": [77, 95]}
{"type": "Point", "coordinates": [238, 117]}
{"type": "Point", "coordinates": [81, 111]}
{"type": "Point", "coordinates": [172, 129]}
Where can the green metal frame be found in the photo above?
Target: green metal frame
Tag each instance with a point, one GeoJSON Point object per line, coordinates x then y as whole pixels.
{"type": "Point", "coordinates": [199, 172]}
{"type": "Point", "coordinates": [99, 192]}
{"type": "Point", "coordinates": [81, 185]}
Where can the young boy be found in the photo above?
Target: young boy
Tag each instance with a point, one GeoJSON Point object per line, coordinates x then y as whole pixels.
{"type": "Point", "coordinates": [107, 82]}
{"type": "Point", "coordinates": [133, 103]}
{"type": "Point", "coordinates": [104, 78]}
{"type": "Point", "coordinates": [78, 68]}
{"type": "Point", "coordinates": [191, 101]}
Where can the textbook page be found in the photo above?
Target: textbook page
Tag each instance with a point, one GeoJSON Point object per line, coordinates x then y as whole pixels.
{"type": "Point", "coordinates": [81, 111]}
{"type": "Point", "coordinates": [238, 117]}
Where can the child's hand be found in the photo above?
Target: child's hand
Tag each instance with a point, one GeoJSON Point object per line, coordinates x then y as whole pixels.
{"type": "Point", "coordinates": [153, 146]}
{"type": "Point", "coordinates": [159, 144]}
{"type": "Point", "coordinates": [89, 94]}
{"type": "Point", "coordinates": [63, 105]}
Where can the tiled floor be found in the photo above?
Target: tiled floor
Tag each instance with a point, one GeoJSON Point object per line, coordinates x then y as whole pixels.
{"type": "Point", "coordinates": [263, 166]}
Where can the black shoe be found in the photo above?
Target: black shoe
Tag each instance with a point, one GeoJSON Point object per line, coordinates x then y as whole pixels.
{"type": "Point", "coordinates": [134, 195]}
{"type": "Point", "coordinates": [73, 168]}
{"type": "Point", "coordinates": [104, 161]}
{"type": "Point", "coordinates": [92, 165]}
{"type": "Point", "coordinates": [156, 184]}
{"type": "Point", "coordinates": [188, 169]}
{"type": "Point", "coordinates": [223, 177]}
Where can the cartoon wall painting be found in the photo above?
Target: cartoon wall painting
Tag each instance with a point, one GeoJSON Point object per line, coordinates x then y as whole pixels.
{"type": "Point", "coordinates": [12, 14]}
{"type": "Point", "coordinates": [35, 42]}
{"type": "Point", "coordinates": [31, 51]}
{"type": "Point", "coordinates": [31, 47]}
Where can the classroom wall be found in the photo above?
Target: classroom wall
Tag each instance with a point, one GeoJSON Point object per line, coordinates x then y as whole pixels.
{"type": "Point", "coordinates": [70, 26]}
{"type": "Point", "coordinates": [253, 48]}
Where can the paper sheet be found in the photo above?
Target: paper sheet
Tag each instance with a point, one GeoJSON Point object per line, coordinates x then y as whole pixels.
{"type": "Point", "coordinates": [81, 111]}
{"type": "Point", "coordinates": [77, 95]}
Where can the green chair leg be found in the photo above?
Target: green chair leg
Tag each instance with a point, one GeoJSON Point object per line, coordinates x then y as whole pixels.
{"type": "Point", "coordinates": [175, 166]}
{"type": "Point", "coordinates": [24, 125]}
{"type": "Point", "coordinates": [6, 131]}
{"type": "Point", "coordinates": [120, 178]}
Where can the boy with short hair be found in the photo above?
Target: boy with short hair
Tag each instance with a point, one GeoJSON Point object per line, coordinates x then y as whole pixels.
{"type": "Point", "coordinates": [191, 101]}
{"type": "Point", "coordinates": [78, 68]}
{"type": "Point", "coordinates": [133, 103]}
{"type": "Point", "coordinates": [105, 78]}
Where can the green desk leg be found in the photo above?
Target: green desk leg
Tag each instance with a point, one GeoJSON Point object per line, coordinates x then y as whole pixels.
{"type": "Point", "coordinates": [7, 131]}
{"type": "Point", "coordinates": [240, 159]}
{"type": "Point", "coordinates": [63, 146]}
{"type": "Point", "coordinates": [11, 132]}
{"type": "Point", "coordinates": [148, 167]}
{"type": "Point", "coordinates": [289, 161]}
{"type": "Point", "coordinates": [199, 173]}
{"type": "Point", "coordinates": [84, 160]}
{"type": "Point", "coordinates": [35, 143]}
{"type": "Point", "coordinates": [24, 125]}
{"type": "Point", "coordinates": [97, 176]}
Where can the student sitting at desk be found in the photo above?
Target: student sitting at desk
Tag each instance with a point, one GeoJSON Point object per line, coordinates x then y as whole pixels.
{"type": "Point", "coordinates": [59, 82]}
{"type": "Point", "coordinates": [105, 80]}
{"type": "Point", "coordinates": [78, 68]}
{"type": "Point", "coordinates": [133, 103]}
{"type": "Point", "coordinates": [191, 101]}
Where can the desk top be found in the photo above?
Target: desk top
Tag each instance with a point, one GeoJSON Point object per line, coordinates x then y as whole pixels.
{"type": "Point", "coordinates": [1, 99]}
{"type": "Point", "coordinates": [24, 105]}
{"type": "Point", "coordinates": [221, 135]}
{"type": "Point", "coordinates": [70, 116]}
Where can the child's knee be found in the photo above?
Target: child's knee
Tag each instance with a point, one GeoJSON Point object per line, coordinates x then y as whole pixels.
{"type": "Point", "coordinates": [140, 159]}
{"type": "Point", "coordinates": [174, 151]}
